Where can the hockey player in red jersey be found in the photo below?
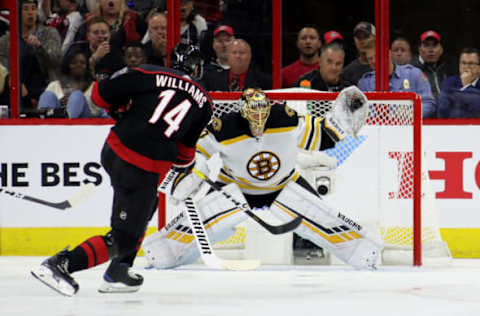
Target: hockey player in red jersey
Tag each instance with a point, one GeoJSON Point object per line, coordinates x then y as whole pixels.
{"type": "Point", "coordinates": [160, 114]}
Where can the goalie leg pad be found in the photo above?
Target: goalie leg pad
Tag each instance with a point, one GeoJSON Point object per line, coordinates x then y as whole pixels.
{"type": "Point", "coordinates": [327, 228]}
{"type": "Point", "coordinates": [174, 245]}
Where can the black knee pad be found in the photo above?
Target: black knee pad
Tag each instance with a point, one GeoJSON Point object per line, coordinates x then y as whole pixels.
{"type": "Point", "coordinates": [119, 243]}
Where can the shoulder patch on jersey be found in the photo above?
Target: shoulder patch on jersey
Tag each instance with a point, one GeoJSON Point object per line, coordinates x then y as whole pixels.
{"type": "Point", "coordinates": [290, 112]}
{"type": "Point", "coordinates": [282, 116]}
{"type": "Point", "coordinates": [217, 124]}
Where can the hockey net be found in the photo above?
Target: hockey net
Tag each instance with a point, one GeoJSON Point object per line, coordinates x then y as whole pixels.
{"type": "Point", "coordinates": [378, 175]}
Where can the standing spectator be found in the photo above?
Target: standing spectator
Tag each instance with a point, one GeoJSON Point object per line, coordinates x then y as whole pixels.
{"type": "Point", "coordinates": [156, 47]}
{"type": "Point", "coordinates": [223, 38]}
{"type": "Point", "coordinates": [241, 75]}
{"type": "Point", "coordinates": [403, 78]}
{"type": "Point", "coordinates": [40, 55]}
{"type": "Point", "coordinates": [125, 25]}
{"type": "Point", "coordinates": [401, 51]}
{"type": "Point", "coordinates": [429, 60]}
{"type": "Point", "coordinates": [69, 91]}
{"type": "Point", "coordinates": [103, 60]}
{"type": "Point", "coordinates": [192, 25]}
{"type": "Point", "coordinates": [67, 20]}
{"type": "Point", "coordinates": [327, 77]}
{"type": "Point", "coordinates": [363, 33]}
{"type": "Point", "coordinates": [308, 45]}
{"type": "Point", "coordinates": [460, 95]}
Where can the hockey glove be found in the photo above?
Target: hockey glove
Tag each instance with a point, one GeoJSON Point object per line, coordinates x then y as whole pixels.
{"type": "Point", "coordinates": [348, 115]}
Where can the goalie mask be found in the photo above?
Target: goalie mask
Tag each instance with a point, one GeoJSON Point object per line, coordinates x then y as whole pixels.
{"type": "Point", "coordinates": [187, 59]}
{"type": "Point", "coordinates": [255, 108]}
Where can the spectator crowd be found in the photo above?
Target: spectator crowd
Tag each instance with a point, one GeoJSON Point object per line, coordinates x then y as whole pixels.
{"type": "Point", "coordinates": [65, 45]}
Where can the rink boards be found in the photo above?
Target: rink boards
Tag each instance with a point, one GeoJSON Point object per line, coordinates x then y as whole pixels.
{"type": "Point", "coordinates": [54, 162]}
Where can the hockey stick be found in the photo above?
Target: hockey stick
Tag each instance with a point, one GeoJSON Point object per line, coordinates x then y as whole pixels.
{"type": "Point", "coordinates": [205, 248]}
{"type": "Point", "coordinates": [71, 202]}
{"type": "Point", "coordinates": [276, 230]}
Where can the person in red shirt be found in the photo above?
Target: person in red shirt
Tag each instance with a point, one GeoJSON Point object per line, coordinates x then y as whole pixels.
{"type": "Point", "coordinates": [308, 44]}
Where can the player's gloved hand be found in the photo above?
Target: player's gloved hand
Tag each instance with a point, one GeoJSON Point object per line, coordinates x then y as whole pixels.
{"type": "Point", "coordinates": [348, 114]}
{"type": "Point", "coordinates": [187, 183]}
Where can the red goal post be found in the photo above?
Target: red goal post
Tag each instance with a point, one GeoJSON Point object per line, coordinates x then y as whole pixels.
{"type": "Point", "coordinates": [386, 109]}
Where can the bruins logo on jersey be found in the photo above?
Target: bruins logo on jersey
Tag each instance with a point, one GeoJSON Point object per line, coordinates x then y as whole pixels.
{"type": "Point", "coordinates": [217, 124]}
{"type": "Point", "coordinates": [289, 111]}
{"type": "Point", "coordinates": [263, 165]}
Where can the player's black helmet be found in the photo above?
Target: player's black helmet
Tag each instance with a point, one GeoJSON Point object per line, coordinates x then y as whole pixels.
{"type": "Point", "coordinates": [187, 58]}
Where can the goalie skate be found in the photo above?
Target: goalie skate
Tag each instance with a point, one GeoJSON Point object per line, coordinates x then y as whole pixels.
{"type": "Point", "coordinates": [119, 278]}
{"type": "Point", "coordinates": [53, 272]}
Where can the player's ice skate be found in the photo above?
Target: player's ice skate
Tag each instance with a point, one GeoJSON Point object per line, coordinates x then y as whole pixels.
{"type": "Point", "coordinates": [119, 278]}
{"type": "Point", "coordinates": [53, 272]}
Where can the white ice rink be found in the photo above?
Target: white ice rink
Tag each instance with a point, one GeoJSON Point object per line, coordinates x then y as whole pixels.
{"type": "Point", "coordinates": [272, 290]}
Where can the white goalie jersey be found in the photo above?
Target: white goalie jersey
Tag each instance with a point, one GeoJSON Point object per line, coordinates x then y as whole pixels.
{"type": "Point", "coordinates": [260, 165]}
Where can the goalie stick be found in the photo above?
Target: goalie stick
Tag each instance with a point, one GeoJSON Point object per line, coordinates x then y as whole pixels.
{"type": "Point", "coordinates": [71, 202]}
{"type": "Point", "coordinates": [275, 230]}
{"type": "Point", "coordinates": [205, 248]}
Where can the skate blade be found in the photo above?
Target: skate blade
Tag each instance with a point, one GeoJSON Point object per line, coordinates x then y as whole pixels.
{"type": "Point", "coordinates": [45, 276]}
{"type": "Point", "coordinates": [117, 287]}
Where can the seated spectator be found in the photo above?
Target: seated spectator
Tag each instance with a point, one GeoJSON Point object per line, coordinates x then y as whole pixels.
{"type": "Point", "coordinates": [429, 60]}
{"type": "Point", "coordinates": [308, 45]}
{"type": "Point", "coordinates": [103, 60]}
{"type": "Point", "coordinates": [223, 37]}
{"type": "Point", "coordinates": [125, 25]}
{"type": "Point", "coordinates": [192, 25]}
{"type": "Point", "coordinates": [156, 46]}
{"type": "Point", "coordinates": [403, 78]}
{"type": "Point", "coordinates": [241, 75]}
{"type": "Point", "coordinates": [134, 54]}
{"type": "Point", "coordinates": [327, 77]}
{"type": "Point", "coordinates": [401, 51]}
{"type": "Point", "coordinates": [40, 55]}
{"type": "Point", "coordinates": [66, 20]}
{"type": "Point", "coordinates": [363, 33]}
{"type": "Point", "coordinates": [460, 95]}
{"type": "Point", "coordinates": [68, 92]}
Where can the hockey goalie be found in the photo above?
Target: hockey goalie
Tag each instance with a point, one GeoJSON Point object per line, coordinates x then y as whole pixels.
{"type": "Point", "coordinates": [258, 147]}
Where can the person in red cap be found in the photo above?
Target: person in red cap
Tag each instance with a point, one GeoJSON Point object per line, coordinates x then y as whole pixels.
{"type": "Point", "coordinates": [308, 45]}
{"type": "Point", "coordinates": [429, 60]}
{"type": "Point", "coordinates": [222, 38]}
{"type": "Point", "coordinates": [332, 36]}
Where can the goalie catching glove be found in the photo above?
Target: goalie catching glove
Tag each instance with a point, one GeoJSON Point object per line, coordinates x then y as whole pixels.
{"type": "Point", "coordinates": [348, 114]}
{"type": "Point", "coordinates": [180, 183]}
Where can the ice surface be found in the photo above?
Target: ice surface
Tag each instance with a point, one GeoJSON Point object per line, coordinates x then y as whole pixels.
{"type": "Point", "coordinates": [271, 290]}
